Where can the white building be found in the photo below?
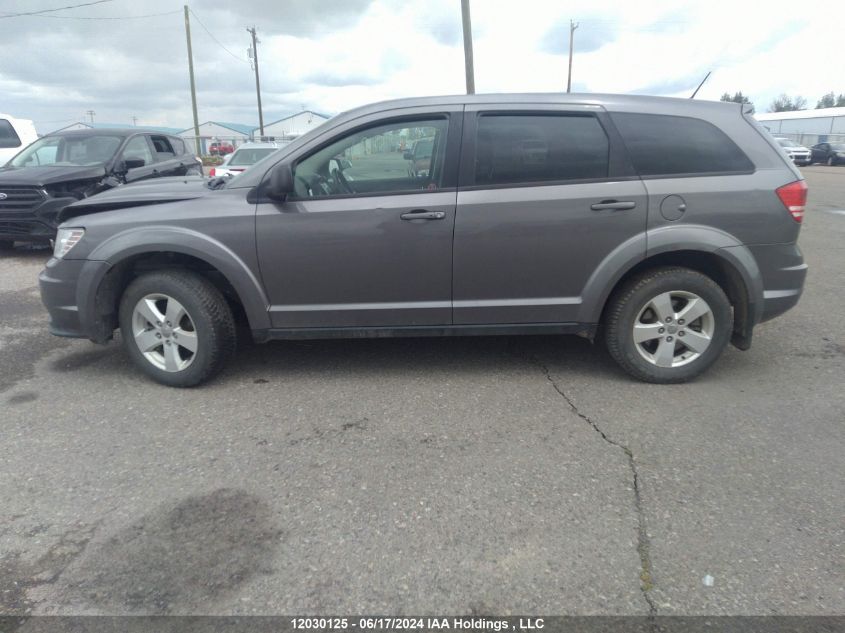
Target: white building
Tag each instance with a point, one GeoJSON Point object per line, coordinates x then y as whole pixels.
{"type": "Point", "coordinates": [216, 131]}
{"type": "Point", "coordinates": [294, 125]}
{"type": "Point", "coordinates": [806, 126]}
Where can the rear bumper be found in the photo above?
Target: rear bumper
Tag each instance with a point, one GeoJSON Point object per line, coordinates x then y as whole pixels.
{"type": "Point", "coordinates": [68, 291]}
{"type": "Point", "coordinates": [784, 271]}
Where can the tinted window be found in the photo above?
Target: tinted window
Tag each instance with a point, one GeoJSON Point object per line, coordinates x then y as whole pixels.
{"type": "Point", "coordinates": [661, 145]}
{"type": "Point", "coordinates": [162, 145]}
{"type": "Point", "coordinates": [533, 148]}
{"type": "Point", "coordinates": [138, 148]}
{"type": "Point", "coordinates": [376, 160]}
{"type": "Point", "coordinates": [8, 136]}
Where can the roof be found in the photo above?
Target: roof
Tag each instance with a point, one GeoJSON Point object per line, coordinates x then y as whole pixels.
{"type": "Point", "coordinates": [115, 131]}
{"type": "Point", "coordinates": [801, 114]}
{"type": "Point", "coordinates": [240, 128]}
{"type": "Point", "coordinates": [296, 114]}
{"type": "Point", "coordinates": [124, 126]}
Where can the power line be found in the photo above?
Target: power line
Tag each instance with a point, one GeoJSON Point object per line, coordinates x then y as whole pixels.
{"type": "Point", "coordinates": [240, 59]}
{"type": "Point", "coordinates": [119, 17]}
{"type": "Point", "coordinates": [40, 11]}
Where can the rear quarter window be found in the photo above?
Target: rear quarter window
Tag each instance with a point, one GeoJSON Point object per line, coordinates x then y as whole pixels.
{"type": "Point", "coordinates": [663, 145]}
{"type": "Point", "coordinates": [8, 136]}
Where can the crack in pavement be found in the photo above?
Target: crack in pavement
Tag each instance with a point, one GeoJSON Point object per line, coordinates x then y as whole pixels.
{"type": "Point", "coordinates": [643, 543]}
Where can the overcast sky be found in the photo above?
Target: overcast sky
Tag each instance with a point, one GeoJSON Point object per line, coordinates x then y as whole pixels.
{"type": "Point", "coordinates": [331, 55]}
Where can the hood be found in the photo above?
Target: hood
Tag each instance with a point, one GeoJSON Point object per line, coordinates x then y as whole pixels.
{"type": "Point", "coordinates": [41, 176]}
{"type": "Point", "coordinates": [146, 192]}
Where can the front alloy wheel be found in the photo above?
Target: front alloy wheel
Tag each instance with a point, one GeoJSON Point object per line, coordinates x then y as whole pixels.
{"type": "Point", "coordinates": [164, 332]}
{"type": "Point", "coordinates": [177, 327]}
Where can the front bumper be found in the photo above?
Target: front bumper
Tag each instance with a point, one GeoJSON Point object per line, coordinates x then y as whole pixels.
{"type": "Point", "coordinates": [37, 224]}
{"type": "Point", "coordinates": [68, 291]}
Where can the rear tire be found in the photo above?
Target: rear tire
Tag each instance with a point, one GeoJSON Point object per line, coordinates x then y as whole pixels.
{"type": "Point", "coordinates": [177, 327]}
{"type": "Point", "coordinates": [830, 161]}
{"type": "Point", "coordinates": [668, 325]}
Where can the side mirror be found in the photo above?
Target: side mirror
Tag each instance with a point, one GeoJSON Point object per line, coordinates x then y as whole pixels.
{"type": "Point", "coordinates": [130, 163]}
{"type": "Point", "coordinates": [408, 155]}
{"type": "Point", "coordinates": [281, 182]}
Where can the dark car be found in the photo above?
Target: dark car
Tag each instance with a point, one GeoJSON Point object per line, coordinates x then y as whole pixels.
{"type": "Point", "coordinates": [67, 166]}
{"type": "Point", "coordinates": [829, 153]}
{"type": "Point", "coordinates": [537, 214]}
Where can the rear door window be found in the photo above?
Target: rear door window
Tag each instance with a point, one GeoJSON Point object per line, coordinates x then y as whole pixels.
{"type": "Point", "coordinates": [527, 148]}
{"type": "Point", "coordinates": [663, 145]}
{"type": "Point", "coordinates": [8, 136]}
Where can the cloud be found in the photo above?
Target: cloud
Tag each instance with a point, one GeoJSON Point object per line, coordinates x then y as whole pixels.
{"type": "Point", "coordinates": [333, 55]}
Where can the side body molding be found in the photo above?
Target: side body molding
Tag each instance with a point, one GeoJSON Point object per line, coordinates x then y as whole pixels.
{"type": "Point", "coordinates": [174, 239]}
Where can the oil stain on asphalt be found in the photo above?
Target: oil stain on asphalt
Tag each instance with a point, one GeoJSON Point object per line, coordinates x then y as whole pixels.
{"type": "Point", "coordinates": [178, 557]}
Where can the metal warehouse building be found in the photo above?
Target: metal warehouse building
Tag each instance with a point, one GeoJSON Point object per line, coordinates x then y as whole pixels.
{"type": "Point", "coordinates": [808, 127]}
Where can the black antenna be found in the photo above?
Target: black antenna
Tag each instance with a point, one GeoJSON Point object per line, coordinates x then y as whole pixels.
{"type": "Point", "coordinates": [699, 85]}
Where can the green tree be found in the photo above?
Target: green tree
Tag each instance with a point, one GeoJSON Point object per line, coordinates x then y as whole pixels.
{"type": "Point", "coordinates": [785, 103]}
{"type": "Point", "coordinates": [830, 100]}
{"type": "Point", "coordinates": [737, 97]}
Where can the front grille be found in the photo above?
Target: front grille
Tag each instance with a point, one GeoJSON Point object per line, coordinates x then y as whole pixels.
{"type": "Point", "coordinates": [25, 228]}
{"type": "Point", "coordinates": [19, 198]}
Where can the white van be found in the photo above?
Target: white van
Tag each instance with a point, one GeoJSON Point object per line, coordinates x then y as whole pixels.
{"type": "Point", "coordinates": [15, 134]}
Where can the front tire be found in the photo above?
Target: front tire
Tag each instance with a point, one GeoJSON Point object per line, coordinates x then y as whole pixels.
{"type": "Point", "coordinates": [177, 327]}
{"type": "Point", "coordinates": [668, 325]}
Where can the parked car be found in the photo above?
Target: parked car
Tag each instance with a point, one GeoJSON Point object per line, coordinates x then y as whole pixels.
{"type": "Point", "coordinates": [220, 148]}
{"type": "Point", "coordinates": [829, 153]}
{"type": "Point", "coordinates": [564, 214]}
{"type": "Point", "coordinates": [797, 153]}
{"type": "Point", "coordinates": [14, 134]}
{"type": "Point", "coordinates": [246, 155]}
{"type": "Point", "coordinates": [420, 157]}
{"type": "Point", "coordinates": [67, 166]}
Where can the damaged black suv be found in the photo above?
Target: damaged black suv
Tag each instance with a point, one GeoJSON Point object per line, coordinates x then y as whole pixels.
{"type": "Point", "coordinates": [63, 167]}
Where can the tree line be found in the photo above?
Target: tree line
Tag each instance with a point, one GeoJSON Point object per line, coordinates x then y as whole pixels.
{"type": "Point", "coordinates": [787, 103]}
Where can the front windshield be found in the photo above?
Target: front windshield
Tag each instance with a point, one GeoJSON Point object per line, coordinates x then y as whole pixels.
{"type": "Point", "coordinates": [250, 156]}
{"type": "Point", "coordinates": [785, 142]}
{"type": "Point", "coordinates": [63, 151]}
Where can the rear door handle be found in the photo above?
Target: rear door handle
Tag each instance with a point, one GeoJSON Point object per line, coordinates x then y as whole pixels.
{"type": "Point", "coordinates": [419, 214]}
{"type": "Point", "coordinates": [614, 205]}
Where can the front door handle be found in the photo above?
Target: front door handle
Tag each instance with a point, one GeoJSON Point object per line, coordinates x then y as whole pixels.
{"type": "Point", "coordinates": [420, 214]}
{"type": "Point", "coordinates": [614, 205]}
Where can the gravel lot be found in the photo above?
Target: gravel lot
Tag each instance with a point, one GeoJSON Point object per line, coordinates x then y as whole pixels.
{"type": "Point", "coordinates": [516, 474]}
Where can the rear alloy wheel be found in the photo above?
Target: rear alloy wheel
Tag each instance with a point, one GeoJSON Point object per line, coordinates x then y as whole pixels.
{"type": "Point", "coordinates": [177, 327]}
{"type": "Point", "coordinates": [668, 325]}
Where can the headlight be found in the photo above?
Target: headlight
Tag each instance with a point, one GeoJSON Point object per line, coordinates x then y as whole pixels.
{"type": "Point", "coordinates": [66, 239]}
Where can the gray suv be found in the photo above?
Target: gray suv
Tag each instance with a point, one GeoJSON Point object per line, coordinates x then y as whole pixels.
{"type": "Point", "coordinates": [666, 226]}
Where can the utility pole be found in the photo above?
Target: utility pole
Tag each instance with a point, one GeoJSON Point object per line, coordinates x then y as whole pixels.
{"type": "Point", "coordinates": [257, 81]}
{"type": "Point", "coordinates": [193, 85]}
{"type": "Point", "coordinates": [572, 27]}
{"type": "Point", "coordinates": [135, 121]}
{"type": "Point", "coordinates": [90, 113]}
{"type": "Point", "coordinates": [470, 71]}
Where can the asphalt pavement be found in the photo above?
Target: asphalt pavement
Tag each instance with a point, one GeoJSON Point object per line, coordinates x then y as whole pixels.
{"type": "Point", "coordinates": [481, 475]}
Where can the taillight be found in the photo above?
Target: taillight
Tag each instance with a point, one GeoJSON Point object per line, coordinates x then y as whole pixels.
{"type": "Point", "coordinates": [794, 198]}
{"type": "Point", "coordinates": [212, 172]}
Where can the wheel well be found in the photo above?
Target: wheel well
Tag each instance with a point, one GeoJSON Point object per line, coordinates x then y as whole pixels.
{"type": "Point", "coordinates": [121, 275]}
{"type": "Point", "coordinates": [718, 269]}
